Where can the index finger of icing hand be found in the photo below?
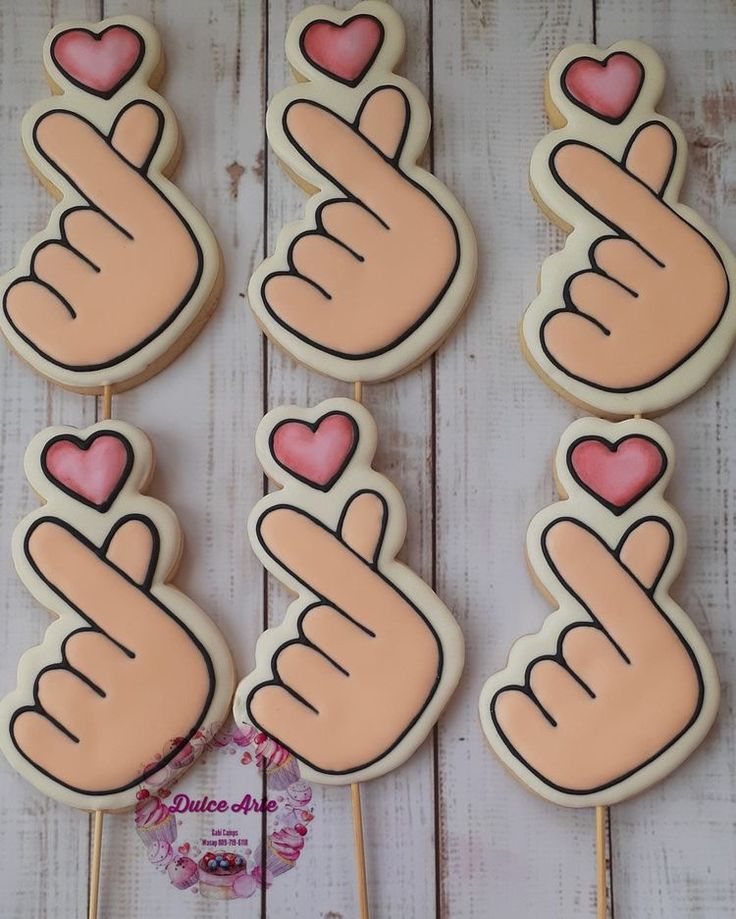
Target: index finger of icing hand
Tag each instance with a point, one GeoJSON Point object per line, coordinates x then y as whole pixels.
{"type": "Point", "coordinates": [79, 152]}
{"type": "Point", "coordinates": [606, 189]}
{"type": "Point", "coordinates": [341, 154]}
{"type": "Point", "coordinates": [87, 583]}
{"type": "Point", "coordinates": [324, 564]}
{"type": "Point", "coordinates": [593, 574]}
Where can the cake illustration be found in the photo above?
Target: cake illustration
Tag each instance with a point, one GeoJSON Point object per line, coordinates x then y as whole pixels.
{"type": "Point", "coordinates": [153, 821]}
{"type": "Point", "coordinates": [218, 874]}
{"type": "Point", "coordinates": [183, 872]}
{"type": "Point", "coordinates": [282, 769]}
{"type": "Point", "coordinates": [283, 848]}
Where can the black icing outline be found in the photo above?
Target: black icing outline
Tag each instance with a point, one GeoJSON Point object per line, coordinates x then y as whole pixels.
{"type": "Point", "coordinates": [62, 240]}
{"type": "Point", "coordinates": [84, 443]}
{"type": "Point", "coordinates": [323, 601]}
{"type": "Point", "coordinates": [604, 63]}
{"type": "Point", "coordinates": [349, 197]}
{"type": "Point", "coordinates": [612, 447]}
{"type": "Point", "coordinates": [63, 664]}
{"type": "Point", "coordinates": [559, 658]}
{"type": "Point", "coordinates": [341, 25]}
{"type": "Point", "coordinates": [620, 234]}
{"type": "Point", "coordinates": [313, 427]}
{"type": "Point", "coordinates": [97, 36]}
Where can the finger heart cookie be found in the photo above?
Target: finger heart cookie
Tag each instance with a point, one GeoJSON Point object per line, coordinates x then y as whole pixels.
{"type": "Point", "coordinates": [381, 266]}
{"type": "Point", "coordinates": [367, 656]}
{"type": "Point", "coordinates": [618, 687]}
{"type": "Point", "coordinates": [127, 271]}
{"type": "Point", "coordinates": [637, 311]}
{"type": "Point", "coordinates": [131, 669]}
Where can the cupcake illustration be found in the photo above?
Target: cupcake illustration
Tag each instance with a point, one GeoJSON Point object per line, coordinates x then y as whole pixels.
{"type": "Point", "coordinates": [160, 854]}
{"type": "Point", "coordinates": [219, 872]}
{"type": "Point", "coordinates": [153, 821]}
{"type": "Point", "coordinates": [281, 768]}
{"type": "Point", "coordinates": [283, 848]}
{"type": "Point", "coordinates": [183, 872]}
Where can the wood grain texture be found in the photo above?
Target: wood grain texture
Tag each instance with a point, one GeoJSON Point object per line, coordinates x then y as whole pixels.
{"type": "Point", "coordinates": [44, 844]}
{"type": "Point", "coordinates": [674, 848]}
{"type": "Point", "coordinates": [468, 442]}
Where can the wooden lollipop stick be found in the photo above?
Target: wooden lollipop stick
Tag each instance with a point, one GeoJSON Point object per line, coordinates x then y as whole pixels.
{"type": "Point", "coordinates": [601, 815]}
{"type": "Point", "coordinates": [359, 851]}
{"type": "Point", "coordinates": [94, 872]}
{"type": "Point", "coordinates": [107, 403]}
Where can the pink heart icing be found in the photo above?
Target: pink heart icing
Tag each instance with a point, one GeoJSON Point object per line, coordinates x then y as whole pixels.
{"type": "Point", "coordinates": [317, 454]}
{"type": "Point", "coordinates": [607, 89]}
{"type": "Point", "coordinates": [345, 51]}
{"type": "Point", "coordinates": [99, 63]}
{"type": "Point", "coordinates": [93, 470]}
{"type": "Point", "coordinates": [617, 474]}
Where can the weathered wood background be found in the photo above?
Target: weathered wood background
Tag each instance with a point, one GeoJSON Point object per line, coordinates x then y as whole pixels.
{"type": "Point", "coordinates": [467, 438]}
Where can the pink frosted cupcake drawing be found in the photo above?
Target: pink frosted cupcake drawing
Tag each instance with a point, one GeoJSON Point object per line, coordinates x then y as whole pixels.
{"type": "Point", "coordinates": [283, 848]}
{"type": "Point", "coordinates": [183, 872]}
{"type": "Point", "coordinates": [281, 767]}
{"type": "Point", "coordinates": [153, 821]}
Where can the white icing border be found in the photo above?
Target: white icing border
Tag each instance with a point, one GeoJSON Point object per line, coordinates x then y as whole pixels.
{"type": "Point", "coordinates": [96, 527]}
{"type": "Point", "coordinates": [611, 528]}
{"type": "Point", "coordinates": [557, 268]}
{"type": "Point", "coordinates": [327, 508]}
{"type": "Point", "coordinates": [346, 102]}
{"type": "Point", "coordinates": [102, 113]}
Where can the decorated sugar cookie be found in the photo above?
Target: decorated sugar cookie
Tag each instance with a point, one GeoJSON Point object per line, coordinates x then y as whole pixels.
{"type": "Point", "coordinates": [379, 269]}
{"type": "Point", "coordinates": [131, 669]}
{"type": "Point", "coordinates": [618, 687]}
{"type": "Point", "coordinates": [636, 312]}
{"type": "Point", "coordinates": [367, 656]}
{"type": "Point", "coordinates": [126, 271]}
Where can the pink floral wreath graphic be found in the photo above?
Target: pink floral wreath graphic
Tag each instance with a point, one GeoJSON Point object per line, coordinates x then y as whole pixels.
{"type": "Point", "coordinates": [234, 872]}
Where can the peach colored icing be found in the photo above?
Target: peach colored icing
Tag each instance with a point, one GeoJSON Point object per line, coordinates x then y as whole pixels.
{"type": "Point", "coordinates": [145, 253]}
{"type": "Point", "coordinates": [157, 693]}
{"type": "Point", "coordinates": [388, 656]}
{"type": "Point", "coordinates": [405, 244]}
{"type": "Point", "coordinates": [642, 701]}
{"type": "Point", "coordinates": [674, 287]}
{"type": "Point", "coordinates": [362, 524]}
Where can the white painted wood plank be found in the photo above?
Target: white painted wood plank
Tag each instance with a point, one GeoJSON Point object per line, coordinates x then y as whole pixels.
{"type": "Point", "coordinates": [504, 851]}
{"type": "Point", "coordinates": [398, 809]}
{"type": "Point", "coordinates": [674, 848]}
{"type": "Point", "coordinates": [202, 411]}
{"type": "Point", "coordinates": [44, 845]}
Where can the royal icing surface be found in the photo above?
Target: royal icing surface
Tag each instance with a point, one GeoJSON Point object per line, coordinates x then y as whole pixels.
{"type": "Point", "coordinates": [636, 312]}
{"type": "Point", "coordinates": [132, 668]}
{"type": "Point", "coordinates": [357, 674]}
{"type": "Point", "coordinates": [377, 272]}
{"type": "Point", "coordinates": [126, 270]}
{"type": "Point", "coordinates": [618, 687]}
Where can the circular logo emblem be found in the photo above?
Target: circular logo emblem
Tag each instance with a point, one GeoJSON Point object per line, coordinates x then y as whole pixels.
{"type": "Point", "coordinates": [204, 835]}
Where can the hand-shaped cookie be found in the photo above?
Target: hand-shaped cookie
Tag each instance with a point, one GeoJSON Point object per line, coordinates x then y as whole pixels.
{"type": "Point", "coordinates": [635, 320]}
{"type": "Point", "coordinates": [131, 669]}
{"type": "Point", "coordinates": [379, 269]}
{"type": "Point", "coordinates": [126, 270]}
{"type": "Point", "coordinates": [618, 688]}
{"type": "Point", "coordinates": [355, 678]}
